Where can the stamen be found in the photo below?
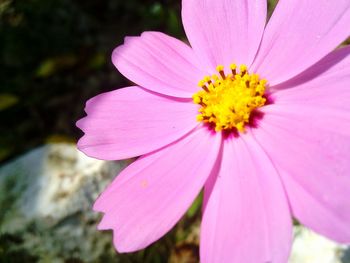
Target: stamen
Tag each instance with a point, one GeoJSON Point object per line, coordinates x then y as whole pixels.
{"type": "Point", "coordinates": [243, 69]}
{"type": "Point", "coordinates": [202, 85]}
{"type": "Point", "coordinates": [227, 102]}
{"type": "Point", "coordinates": [208, 80]}
{"type": "Point", "coordinates": [220, 69]}
{"type": "Point", "coordinates": [233, 69]}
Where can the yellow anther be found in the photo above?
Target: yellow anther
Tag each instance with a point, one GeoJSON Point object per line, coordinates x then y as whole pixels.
{"type": "Point", "coordinates": [199, 117]}
{"type": "Point", "coordinates": [240, 126]}
{"type": "Point", "coordinates": [207, 79]}
{"type": "Point", "coordinates": [263, 82]}
{"type": "Point", "coordinates": [217, 128]}
{"type": "Point", "coordinates": [196, 99]}
{"type": "Point", "coordinates": [227, 102]}
{"type": "Point", "coordinates": [201, 83]}
{"type": "Point", "coordinates": [243, 68]}
{"type": "Point", "coordinates": [233, 66]}
{"type": "Point", "coordinates": [220, 68]}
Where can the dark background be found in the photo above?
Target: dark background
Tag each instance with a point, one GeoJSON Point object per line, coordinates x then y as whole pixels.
{"type": "Point", "coordinates": [55, 54]}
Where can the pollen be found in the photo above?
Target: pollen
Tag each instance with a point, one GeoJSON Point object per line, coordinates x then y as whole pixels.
{"type": "Point", "coordinates": [228, 100]}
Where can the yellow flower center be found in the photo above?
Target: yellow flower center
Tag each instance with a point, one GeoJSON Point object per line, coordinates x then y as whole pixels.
{"type": "Point", "coordinates": [227, 101]}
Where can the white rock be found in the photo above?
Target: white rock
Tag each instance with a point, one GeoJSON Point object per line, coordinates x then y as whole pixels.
{"type": "Point", "coordinates": [46, 198]}
{"type": "Point", "coordinates": [309, 247]}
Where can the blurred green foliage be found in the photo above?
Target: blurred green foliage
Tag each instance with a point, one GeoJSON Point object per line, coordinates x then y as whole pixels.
{"type": "Point", "coordinates": [54, 55]}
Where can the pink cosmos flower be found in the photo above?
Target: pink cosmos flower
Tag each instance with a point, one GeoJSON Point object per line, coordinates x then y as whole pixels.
{"type": "Point", "coordinates": [265, 147]}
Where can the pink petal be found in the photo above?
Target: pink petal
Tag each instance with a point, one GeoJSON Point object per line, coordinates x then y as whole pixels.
{"type": "Point", "coordinates": [159, 63]}
{"type": "Point", "coordinates": [334, 68]}
{"type": "Point", "coordinates": [224, 31]}
{"type": "Point", "coordinates": [247, 216]}
{"type": "Point", "coordinates": [324, 88]}
{"type": "Point", "coordinates": [147, 199]}
{"type": "Point", "coordinates": [299, 34]}
{"type": "Point", "coordinates": [310, 146]}
{"type": "Point", "coordinates": [130, 122]}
